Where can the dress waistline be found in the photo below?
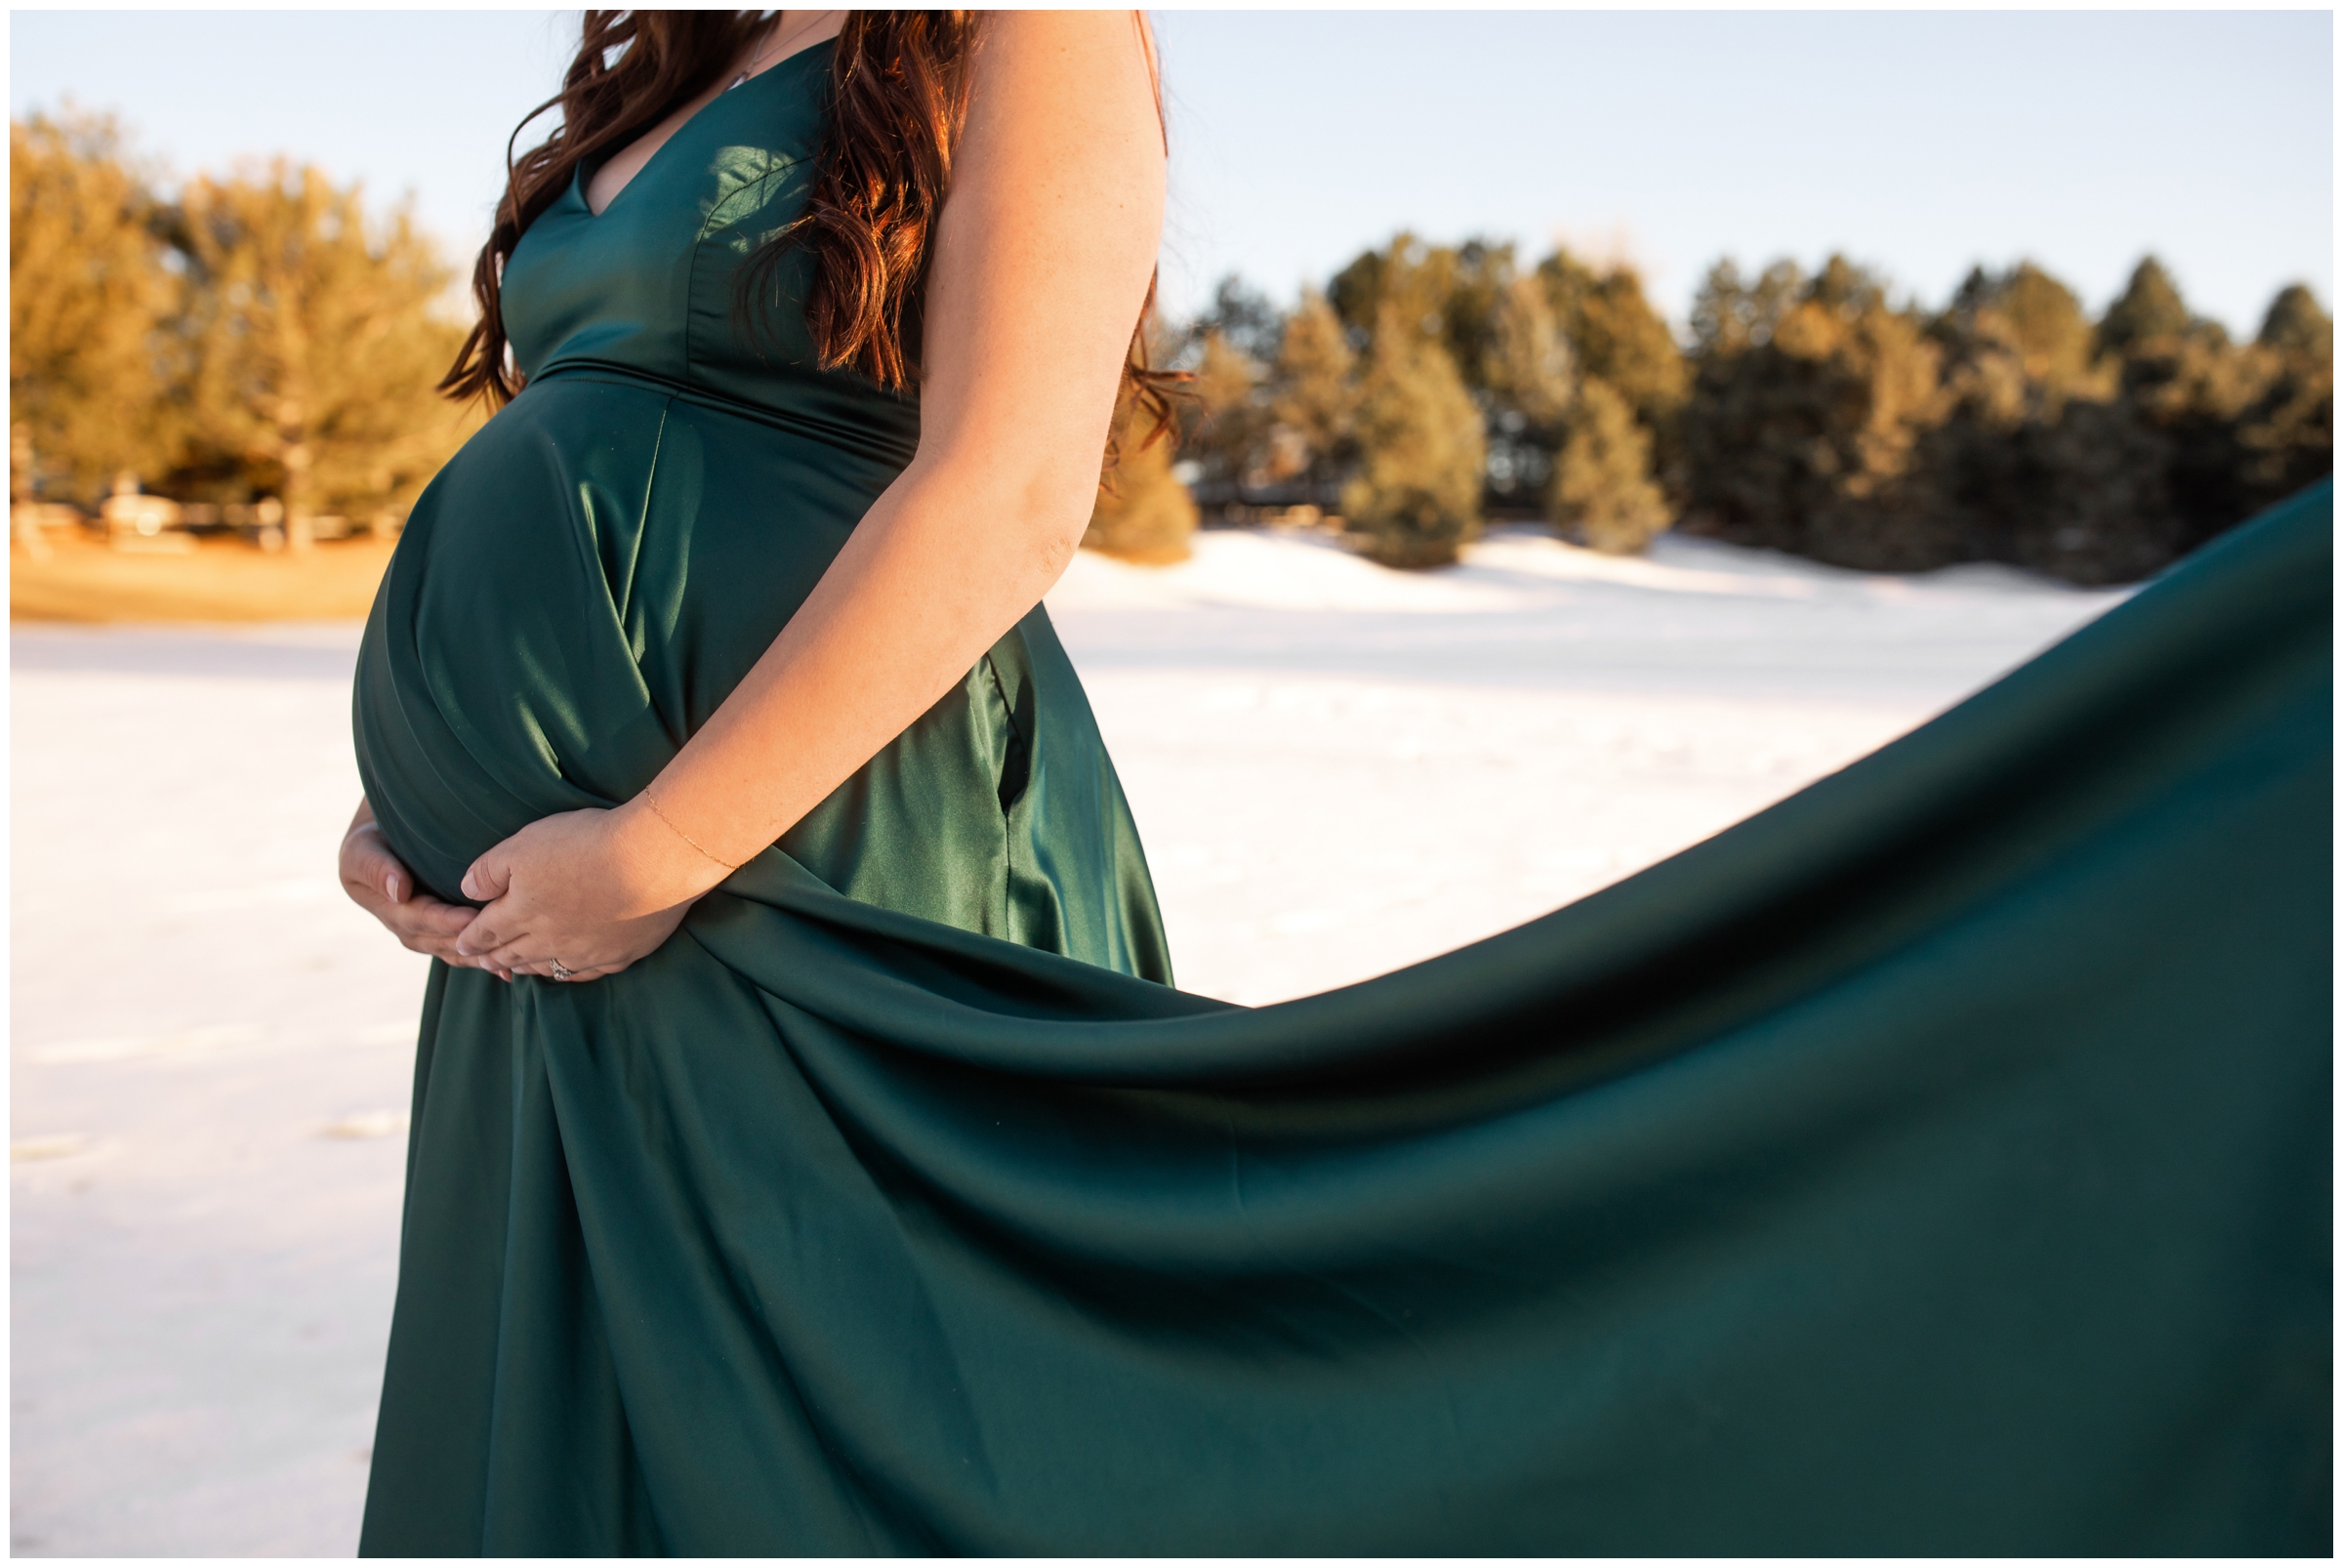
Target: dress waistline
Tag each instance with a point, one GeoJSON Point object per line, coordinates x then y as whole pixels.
{"type": "Point", "coordinates": [857, 438]}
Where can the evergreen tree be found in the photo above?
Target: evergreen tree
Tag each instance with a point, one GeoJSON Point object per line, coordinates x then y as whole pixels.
{"type": "Point", "coordinates": [2246, 427]}
{"type": "Point", "coordinates": [1602, 492]}
{"type": "Point", "coordinates": [1416, 498]}
{"type": "Point", "coordinates": [2018, 348]}
{"type": "Point", "coordinates": [2030, 315]}
{"type": "Point", "coordinates": [315, 344]}
{"type": "Point", "coordinates": [1844, 288]}
{"type": "Point", "coordinates": [1407, 279]}
{"type": "Point", "coordinates": [2183, 380]}
{"type": "Point", "coordinates": [2090, 498]}
{"type": "Point", "coordinates": [1730, 316]}
{"type": "Point", "coordinates": [1223, 425]}
{"type": "Point", "coordinates": [89, 300]}
{"type": "Point", "coordinates": [1527, 384]}
{"type": "Point", "coordinates": [1475, 285]}
{"type": "Point", "coordinates": [1528, 367]}
{"type": "Point", "coordinates": [1805, 431]}
{"type": "Point", "coordinates": [1619, 339]}
{"type": "Point", "coordinates": [2296, 324]}
{"type": "Point", "coordinates": [1244, 319]}
{"type": "Point", "coordinates": [1314, 393]}
{"type": "Point", "coordinates": [1452, 293]}
{"type": "Point", "coordinates": [2286, 429]}
{"type": "Point", "coordinates": [2149, 309]}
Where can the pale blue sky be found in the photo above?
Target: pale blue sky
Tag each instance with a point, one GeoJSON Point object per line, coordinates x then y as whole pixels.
{"type": "Point", "coordinates": [1921, 142]}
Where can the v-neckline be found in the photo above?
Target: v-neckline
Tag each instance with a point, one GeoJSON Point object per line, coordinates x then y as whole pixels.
{"type": "Point", "coordinates": [584, 175]}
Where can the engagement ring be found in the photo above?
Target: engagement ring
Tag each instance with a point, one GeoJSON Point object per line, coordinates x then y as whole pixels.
{"type": "Point", "coordinates": [561, 974]}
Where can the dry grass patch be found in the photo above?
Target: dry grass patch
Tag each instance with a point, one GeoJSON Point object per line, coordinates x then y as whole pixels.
{"type": "Point", "coordinates": [219, 580]}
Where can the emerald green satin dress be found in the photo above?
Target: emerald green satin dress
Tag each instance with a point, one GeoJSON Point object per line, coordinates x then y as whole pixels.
{"type": "Point", "coordinates": [1938, 1162]}
{"type": "Point", "coordinates": [646, 517]}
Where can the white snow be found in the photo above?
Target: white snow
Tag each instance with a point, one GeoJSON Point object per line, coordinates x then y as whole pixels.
{"type": "Point", "coordinates": [1337, 769]}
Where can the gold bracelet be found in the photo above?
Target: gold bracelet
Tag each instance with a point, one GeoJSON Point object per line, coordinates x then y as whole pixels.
{"type": "Point", "coordinates": [652, 801]}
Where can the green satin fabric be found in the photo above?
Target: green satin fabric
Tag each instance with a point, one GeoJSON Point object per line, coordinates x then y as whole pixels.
{"type": "Point", "coordinates": [1936, 1163]}
{"type": "Point", "coordinates": [603, 561]}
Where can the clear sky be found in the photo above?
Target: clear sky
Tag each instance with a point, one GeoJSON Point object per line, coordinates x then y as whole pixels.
{"type": "Point", "coordinates": [1918, 142]}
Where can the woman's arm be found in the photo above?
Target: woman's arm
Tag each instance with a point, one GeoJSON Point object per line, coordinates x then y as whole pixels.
{"type": "Point", "coordinates": [1039, 265]}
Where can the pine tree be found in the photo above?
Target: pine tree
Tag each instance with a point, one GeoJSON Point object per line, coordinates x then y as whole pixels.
{"type": "Point", "coordinates": [1807, 429]}
{"type": "Point", "coordinates": [2018, 348]}
{"type": "Point", "coordinates": [2286, 431]}
{"type": "Point", "coordinates": [1730, 316]}
{"type": "Point", "coordinates": [1602, 492]}
{"type": "Point", "coordinates": [1529, 380]}
{"type": "Point", "coordinates": [1621, 342]}
{"type": "Point", "coordinates": [1416, 498]}
{"type": "Point", "coordinates": [1472, 289]}
{"type": "Point", "coordinates": [1223, 425]}
{"type": "Point", "coordinates": [2149, 309]}
{"type": "Point", "coordinates": [315, 344]}
{"type": "Point", "coordinates": [1528, 367]}
{"type": "Point", "coordinates": [2090, 498]}
{"type": "Point", "coordinates": [2297, 324]}
{"type": "Point", "coordinates": [2040, 317]}
{"type": "Point", "coordinates": [1314, 393]}
{"type": "Point", "coordinates": [1245, 318]}
{"type": "Point", "coordinates": [1619, 338]}
{"type": "Point", "coordinates": [1408, 278]}
{"type": "Point", "coordinates": [89, 299]}
{"type": "Point", "coordinates": [2185, 382]}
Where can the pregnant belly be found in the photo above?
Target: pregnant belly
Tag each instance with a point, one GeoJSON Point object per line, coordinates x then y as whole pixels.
{"type": "Point", "coordinates": [573, 594]}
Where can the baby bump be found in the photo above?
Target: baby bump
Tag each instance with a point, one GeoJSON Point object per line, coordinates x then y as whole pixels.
{"type": "Point", "coordinates": [583, 584]}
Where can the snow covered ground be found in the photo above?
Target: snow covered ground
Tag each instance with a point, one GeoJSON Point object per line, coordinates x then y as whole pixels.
{"type": "Point", "coordinates": [1337, 769]}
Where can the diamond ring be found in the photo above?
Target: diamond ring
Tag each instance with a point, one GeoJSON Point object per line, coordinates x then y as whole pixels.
{"type": "Point", "coordinates": [561, 974]}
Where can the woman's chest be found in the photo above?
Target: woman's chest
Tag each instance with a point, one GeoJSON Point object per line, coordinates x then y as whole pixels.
{"type": "Point", "coordinates": [650, 282]}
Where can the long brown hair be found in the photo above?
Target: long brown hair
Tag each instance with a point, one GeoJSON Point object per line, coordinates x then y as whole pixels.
{"type": "Point", "coordinates": [899, 88]}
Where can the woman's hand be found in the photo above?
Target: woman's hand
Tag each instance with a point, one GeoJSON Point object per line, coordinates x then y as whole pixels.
{"type": "Point", "coordinates": [589, 891]}
{"type": "Point", "coordinates": [383, 886]}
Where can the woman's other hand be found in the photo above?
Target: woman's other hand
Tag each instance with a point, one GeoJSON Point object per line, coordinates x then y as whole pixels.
{"type": "Point", "coordinates": [593, 890]}
{"type": "Point", "coordinates": [381, 885]}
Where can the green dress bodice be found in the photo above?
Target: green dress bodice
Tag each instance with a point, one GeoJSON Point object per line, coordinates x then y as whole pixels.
{"type": "Point", "coordinates": [643, 519]}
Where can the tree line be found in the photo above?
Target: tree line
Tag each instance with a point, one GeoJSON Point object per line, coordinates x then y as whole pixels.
{"type": "Point", "coordinates": [261, 338]}
{"type": "Point", "coordinates": [257, 338]}
{"type": "Point", "coordinates": [1426, 389]}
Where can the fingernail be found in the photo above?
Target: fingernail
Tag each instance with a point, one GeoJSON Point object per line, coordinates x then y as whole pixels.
{"type": "Point", "coordinates": [391, 886]}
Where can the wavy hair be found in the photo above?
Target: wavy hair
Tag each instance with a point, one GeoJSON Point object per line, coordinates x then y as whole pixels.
{"type": "Point", "coordinates": [898, 96]}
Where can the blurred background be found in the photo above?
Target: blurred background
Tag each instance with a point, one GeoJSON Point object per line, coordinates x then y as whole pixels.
{"type": "Point", "coordinates": [1604, 424]}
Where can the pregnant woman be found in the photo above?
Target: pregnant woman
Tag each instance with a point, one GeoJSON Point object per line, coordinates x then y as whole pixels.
{"type": "Point", "coordinates": [721, 484]}
{"type": "Point", "coordinates": [811, 1154]}
{"type": "Point", "coordinates": [762, 540]}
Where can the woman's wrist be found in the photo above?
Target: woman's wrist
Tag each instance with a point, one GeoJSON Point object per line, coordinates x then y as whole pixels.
{"type": "Point", "coordinates": [671, 867]}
